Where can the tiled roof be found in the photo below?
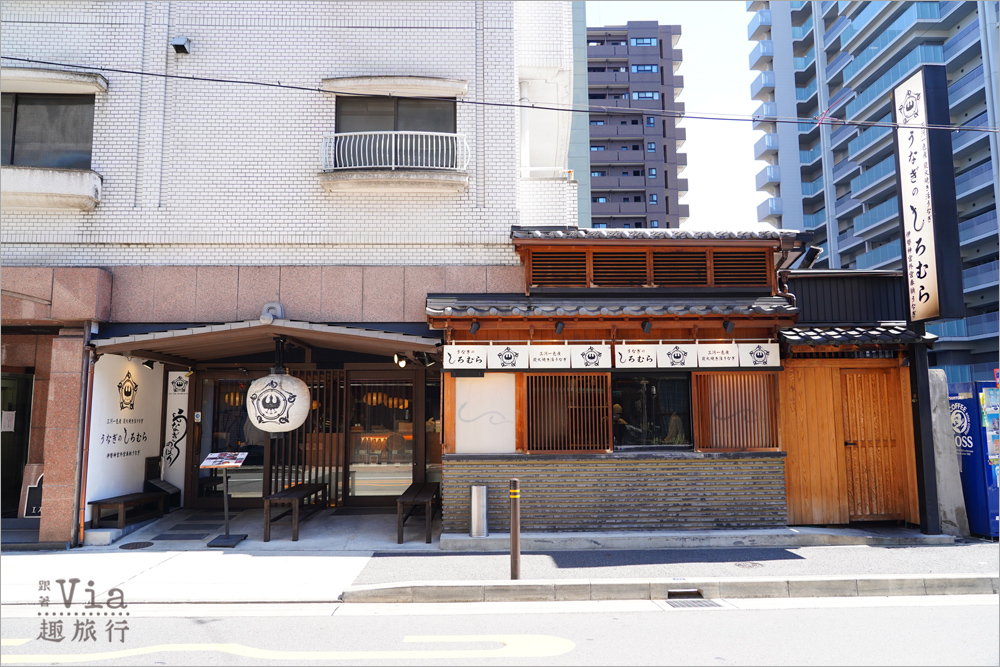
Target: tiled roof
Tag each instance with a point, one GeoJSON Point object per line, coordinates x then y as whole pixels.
{"type": "Point", "coordinates": [518, 305]}
{"type": "Point", "coordinates": [887, 332]}
{"type": "Point", "coordinates": [571, 233]}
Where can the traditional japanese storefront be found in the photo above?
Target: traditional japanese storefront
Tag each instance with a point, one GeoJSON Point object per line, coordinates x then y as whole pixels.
{"type": "Point", "coordinates": [644, 382]}
{"type": "Point", "coordinates": [369, 433]}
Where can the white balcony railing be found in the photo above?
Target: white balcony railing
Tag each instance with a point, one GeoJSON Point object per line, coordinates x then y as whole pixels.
{"type": "Point", "coordinates": [395, 150]}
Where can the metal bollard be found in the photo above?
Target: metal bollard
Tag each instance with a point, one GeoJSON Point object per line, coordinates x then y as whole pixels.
{"type": "Point", "coordinates": [515, 529]}
{"type": "Point", "coordinates": [477, 511]}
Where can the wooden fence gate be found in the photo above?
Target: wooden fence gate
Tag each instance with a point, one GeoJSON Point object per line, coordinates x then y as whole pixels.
{"type": "Point", "coordinates": [847, 428]}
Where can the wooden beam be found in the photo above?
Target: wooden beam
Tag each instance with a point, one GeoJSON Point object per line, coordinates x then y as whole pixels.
{"type": "Point", "coordinates": [157, 356]}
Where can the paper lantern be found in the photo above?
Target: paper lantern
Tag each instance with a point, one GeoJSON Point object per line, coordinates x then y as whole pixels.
{"type": "Point", "coordinates": [278, 403]}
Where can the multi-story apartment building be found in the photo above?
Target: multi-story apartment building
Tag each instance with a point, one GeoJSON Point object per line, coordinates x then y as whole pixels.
{"type": "Point", "coordinates": [840, 61]}
{"type": "Point", "coordinates": [634, 139]}
{"type": "Point", "coordinates": [227, 173]}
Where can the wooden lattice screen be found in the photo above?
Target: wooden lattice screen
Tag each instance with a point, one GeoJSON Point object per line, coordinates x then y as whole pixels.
{"type": "Point", "coordinates": [590, 267]}
{"type": "Point", "coordinates": [312, 453]}
{"type": "Point", "coordinates": [568, 412]}
{"type": "Point", "coordinates": [736, 410]}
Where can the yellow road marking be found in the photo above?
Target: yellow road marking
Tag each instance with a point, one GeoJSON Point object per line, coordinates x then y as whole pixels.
{"type": "Point", "coordinates": [513, 646]}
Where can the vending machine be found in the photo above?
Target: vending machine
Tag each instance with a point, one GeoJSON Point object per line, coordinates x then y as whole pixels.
{"type": "Point", "coordinates": [975, 419]}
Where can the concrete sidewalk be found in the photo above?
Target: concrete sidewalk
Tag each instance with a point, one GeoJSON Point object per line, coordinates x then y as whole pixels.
{"type": "Point", "coordinates": [354, 558]}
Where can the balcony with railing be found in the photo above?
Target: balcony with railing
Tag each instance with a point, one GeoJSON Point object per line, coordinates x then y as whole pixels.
{"type": "Point", "coordinates": [836, 30]}
{"type": "Point", "coordinates": [760, 25]}
{"type": "Point", "coordinates": [847, 240]}
{"type": "Point", "coordinates": [981, 277]}
{"type": "Point", "coordinates": [966, 39]}
{"type": "Point", "coordinates": [890, 252]}
{"type": "Point", "coordinates": [846, 206]}
{"type": "Point", "coordinates": [977, 326]}
{"type": "Point", "coordinates": [973, 182]}
{"type": "Point", "coordinates": [925, 54]}
{"type": "Point", "coordinates": [762, 54]}
{"type": "Point", "coordinates": [844, 169]}
{"type": "Point", "coordinates": [837, 64]}
{"type": "Point", "coordinates": [842, 134]}
{"type": "Point", "coordinates": [398, 161]}
{"type": "Point", "coordinates": [812, 188]}
{"type": "Point", "coordinates": [769, 210]}
{"type": "Point", "coordinates": [981, 227]}
{"type": "Point", "coordinates": [805, 93]}
{"type": "Point", "coordinates": [920, 11]}
{"type": "Point", "coordinates": [964, 138]}
{"type": "Point", "coordinates": [805, 61]}
{"type": "Point", "coordinates": [762, 86]}
{"type": "Point", "coordinates": [965, 87]}
{"type": "Point", "coordinates": [810, 156]}
{"type": "Point", "coordinates": [767, 178]}
{"type": "Point", "coordinates": [813, 221]}
{"type": "Point", "coordinates": [870, 136]}
{"type": "Point", "coordinates": [768, 144]}
{"type": "Point", "coordinates": [861, 21]}
{"type": "Point", "coordinates": [765, 114]}
{"type": "Point", "coordinates": [876, 216]}
{"type": "Point", "coordinates": [878, 174]}
{"type": "Point", "coordinates": [803, 31]}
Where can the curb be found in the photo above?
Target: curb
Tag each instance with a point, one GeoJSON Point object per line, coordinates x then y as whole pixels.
{"type": "Point", "coordinates": [679, 540]}
{"type": "Point", "coordinates": [558, 590]}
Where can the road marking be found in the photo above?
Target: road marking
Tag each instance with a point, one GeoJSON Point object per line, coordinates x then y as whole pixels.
{"type": "Point", "coordinates": [512, 646]}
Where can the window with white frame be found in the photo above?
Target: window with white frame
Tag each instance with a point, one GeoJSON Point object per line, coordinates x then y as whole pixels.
{"type": "Point", "coordinates": [646, 95]}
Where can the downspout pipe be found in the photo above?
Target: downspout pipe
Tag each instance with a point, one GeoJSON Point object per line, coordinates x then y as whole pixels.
{"type": "Point", "coordinates": [84, 448]}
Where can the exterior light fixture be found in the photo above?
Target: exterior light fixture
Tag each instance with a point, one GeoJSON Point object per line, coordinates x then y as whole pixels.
{"type": "Point", "coordinates": [189, 373]}
{"type": "Point", "coordinates": [647, 326]}
{"type": "Point", "coordinates": [148, 364]}
{"type": "Point", "coordinates": [399, 359]}
{"type": "Point", "coordinates": [181, 44]}
{"type": "Point", "coordinates": [728, 325]}
{"type": "Point", "coordinates": [560, 326]}
{"type": "Point", "coordinates": [474, 328]}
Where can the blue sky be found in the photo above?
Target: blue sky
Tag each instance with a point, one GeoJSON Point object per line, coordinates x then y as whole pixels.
{"type": "Point", "coordinates": [721, 168]}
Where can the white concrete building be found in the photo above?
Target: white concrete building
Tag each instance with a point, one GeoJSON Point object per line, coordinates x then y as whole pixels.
{"type": "Point", "coordinates": [168, 165]}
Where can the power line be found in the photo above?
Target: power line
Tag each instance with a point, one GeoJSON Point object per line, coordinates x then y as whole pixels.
{"type": "Point", "coordinates": [515, 105]}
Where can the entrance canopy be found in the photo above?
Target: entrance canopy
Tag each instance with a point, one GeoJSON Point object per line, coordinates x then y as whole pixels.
{"type": "Point", "coordinates": [233, 339]}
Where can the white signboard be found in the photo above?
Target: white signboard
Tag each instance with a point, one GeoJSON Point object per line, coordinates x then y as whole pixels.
{"type": "Point", "coordinates": [507, 357]}
{"type": "Point", "coordinates": [464, 356]}
{"type": "Point", "coordinates": [919, 252]}
{"type": "Point", "coordinates": [677, 356]}
{"type": "Point", "coordinates": [759, 355]}
{"type": "Point", "coordinates": [484, 414]}
{"type": "Point", "coordinates": [549, 356]}
{"type": "Point", "coordinates": [635, 356]}
{"type": "Point", "coordinates": [125, 426]}
{"type": "Point", "coordinates": [7, 421]}
{"type": "Point", "coordinates": [591, 356]}
{"type": "Point", "coordinates": [175, 431]}
{"type": "Point", "coordinates": [718, 355]}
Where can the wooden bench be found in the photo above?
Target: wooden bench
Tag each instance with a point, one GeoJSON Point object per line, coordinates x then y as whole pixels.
{"type": "Point", "coordinates": [418, 493]}
{"type": "Point", "coordinates": [122, 503]}
{"type": "Point", "coordinates": [296, 497]}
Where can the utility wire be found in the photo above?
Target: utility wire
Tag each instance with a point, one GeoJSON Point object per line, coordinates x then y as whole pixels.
{"type": "Point", "coordinates": [590, 109]}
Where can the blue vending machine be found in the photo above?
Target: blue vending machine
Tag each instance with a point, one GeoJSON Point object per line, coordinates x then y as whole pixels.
{"type": "Point", "coordinates": [975, 418]}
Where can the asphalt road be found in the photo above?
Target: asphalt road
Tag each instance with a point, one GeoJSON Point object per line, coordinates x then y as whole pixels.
{"type": "Point", "coordinates": [946, 630]}
{"type": "Point", "coordinates": [970, 558]}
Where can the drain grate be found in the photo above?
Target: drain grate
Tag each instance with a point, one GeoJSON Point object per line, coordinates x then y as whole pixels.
{"type": "Point", "coordinates": [692, 603]}
{"type": "Point", "coordinates": [136, 545]}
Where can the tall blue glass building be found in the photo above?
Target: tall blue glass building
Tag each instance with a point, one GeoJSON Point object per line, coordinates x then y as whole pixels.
{"type": "Point", "coordinates": [840, 60]}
